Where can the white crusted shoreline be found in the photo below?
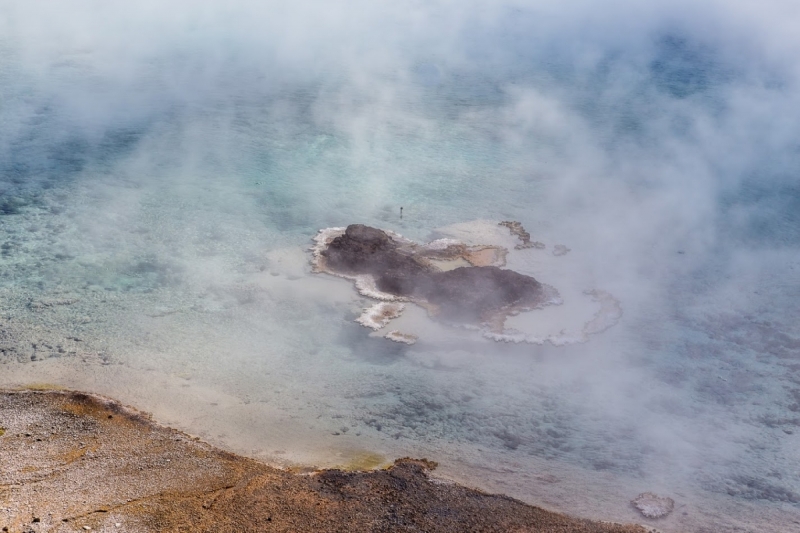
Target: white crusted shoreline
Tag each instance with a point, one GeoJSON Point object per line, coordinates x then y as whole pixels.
{"type": "Point", "coordinates": [378, 315]}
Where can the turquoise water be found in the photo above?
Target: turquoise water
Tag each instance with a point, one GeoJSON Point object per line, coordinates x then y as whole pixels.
{"type": "Point", "coordinates": [164, 169]}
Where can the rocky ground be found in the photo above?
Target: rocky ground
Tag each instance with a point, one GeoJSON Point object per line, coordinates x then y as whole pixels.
{"type": "Point", "coordinates": [71, 461]}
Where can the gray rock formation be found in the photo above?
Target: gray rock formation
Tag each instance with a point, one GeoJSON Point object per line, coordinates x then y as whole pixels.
{"type": "Point", "coordinates": [465, 294]}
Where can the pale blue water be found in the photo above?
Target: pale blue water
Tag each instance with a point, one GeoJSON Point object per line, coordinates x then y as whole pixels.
{"type": "Point", "coordinates": [161, 180]}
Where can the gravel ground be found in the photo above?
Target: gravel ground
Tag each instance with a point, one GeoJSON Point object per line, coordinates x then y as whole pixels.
{"type": "Point", "coordinates": [71, 461]}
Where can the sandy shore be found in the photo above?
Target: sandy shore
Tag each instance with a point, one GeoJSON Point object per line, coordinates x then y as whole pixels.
{"type": "Point", "coordinates": [71, 461]}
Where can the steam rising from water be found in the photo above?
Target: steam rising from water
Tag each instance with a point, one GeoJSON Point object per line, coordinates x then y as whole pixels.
{"type": "Point", "coordinates": [163, 168]}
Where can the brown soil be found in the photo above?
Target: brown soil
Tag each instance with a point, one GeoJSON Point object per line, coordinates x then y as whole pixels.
{"type": "Point", "coordinates": [71, 461]}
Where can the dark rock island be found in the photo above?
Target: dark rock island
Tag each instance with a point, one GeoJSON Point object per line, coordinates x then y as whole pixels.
{"type": "Point", "coordinates": [471, 294]}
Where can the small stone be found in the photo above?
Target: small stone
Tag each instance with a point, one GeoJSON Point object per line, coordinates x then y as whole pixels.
{"type": "Point", "coordinates": [87, 528]}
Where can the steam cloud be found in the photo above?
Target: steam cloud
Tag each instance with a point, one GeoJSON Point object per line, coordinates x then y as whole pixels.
{"type": "Point", "coordinates": [659, 141]}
